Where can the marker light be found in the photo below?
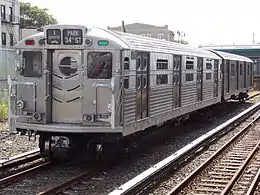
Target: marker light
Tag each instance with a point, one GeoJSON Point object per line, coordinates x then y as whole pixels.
{"type": "Point", "coordinates": [29, 42]}
{"type": "Point", "coordinates": [103, 43]}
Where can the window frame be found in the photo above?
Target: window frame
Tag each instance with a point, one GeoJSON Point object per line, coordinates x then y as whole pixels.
{"type": "Point", "coordinates": [3, 38]}
{"type": "Point", "coordinates": [3, 12]}
{"type": "Point", "coordinates": [30, 73]}
{"type": "Point", "coordinates": [111, 65]}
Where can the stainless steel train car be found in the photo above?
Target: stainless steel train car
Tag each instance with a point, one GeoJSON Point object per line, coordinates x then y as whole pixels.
{"type": "Point", "coordinates": [80, 85]}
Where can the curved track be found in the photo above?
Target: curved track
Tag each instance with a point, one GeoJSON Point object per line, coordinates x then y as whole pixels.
{"type": "Point", "coordinates": [231, 169]}
{"type": "Point", "coordinates": [149, 180]}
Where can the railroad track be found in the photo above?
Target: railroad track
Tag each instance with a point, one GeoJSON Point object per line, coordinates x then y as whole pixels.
{"type": "Point", "coordinates": [232, 169]}
{"type": "Point", "coordinates": [149, 180]}
{"type": "Point", "coordinates": [20, 166]}
{"type": "Point", "coordinates": [84, 176]}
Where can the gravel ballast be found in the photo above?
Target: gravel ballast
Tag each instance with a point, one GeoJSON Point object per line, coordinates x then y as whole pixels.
{"type": "Point", "coordinates": [173, 140]}
{"type": "Point", "coordinates": [142, 160]}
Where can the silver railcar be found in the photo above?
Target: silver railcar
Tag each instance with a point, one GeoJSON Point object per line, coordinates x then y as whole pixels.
{"type": "Point", "coordinates": [93, 84]}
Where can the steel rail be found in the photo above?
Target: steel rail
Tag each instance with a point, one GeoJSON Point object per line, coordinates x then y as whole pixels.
{"type": "Point", "coordinates": [240, 171]}
{"type": "Point", "coordinates": [20, 159]}
{"type": "Point", "coordinates": [254, 184]}
{"type": "Point", "coordinates": [14, 177]}
{"type": "Point", "coordinates": [144, 179]}
{"type": "Point", "coordinates": [181, 185]}
{"type": "Point", "coordinates": [63, 186]}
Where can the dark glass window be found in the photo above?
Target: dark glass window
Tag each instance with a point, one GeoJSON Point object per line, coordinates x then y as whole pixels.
{"type": "Point", "coordinates": [68, 66]}
{"type": "Point", "coordinates": [208, 66]}
{"type": "Point", "coordinates": [162, 79]}
{"type": "Point", "coordinates": [99, 65]}
{"type": "Point", "coordinates": [233, 71]}
{"type": "Point", "coordinates": [208, 76]}
{"type": "Point", "coordinates": [189, 77]}
{"type": "Point", "coordinates": [189, 65]}
{"type": "Point", "coordinates": [162, 64]}
{"type": "Point", "coordinates": [241, 69]}
{"type": "Point", "coordinates": [126, 82]}
{"type": "Point", "coordinates": [32, 64]}
{"type": "Point", "coordinates": [3, 38]}
{"type": "Point", "coordinates": [126, 63]}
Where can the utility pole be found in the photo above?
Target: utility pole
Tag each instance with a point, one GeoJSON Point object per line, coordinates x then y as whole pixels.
{"type": "Point", "coordinates": [123, 26]}
{"type": "Point", "coordinates": [253, 38]}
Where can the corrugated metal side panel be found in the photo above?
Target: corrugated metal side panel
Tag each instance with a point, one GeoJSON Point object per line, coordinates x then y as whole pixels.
{"type": "Point", "coordinates": [207, 90]}
{"type": "Point", "coordinates": [161, 100]}
{"type": "Point", "coordinates": [189, 94]}
{"type": "Point", "coordinates": [219, 88]}
{"type": "Point", "coordinates": [129, 106]}
{"type": "Point", "coordinates": [7, 65]}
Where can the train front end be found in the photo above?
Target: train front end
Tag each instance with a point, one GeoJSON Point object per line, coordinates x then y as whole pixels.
{"type": "Point", "coordinates": [67, 87]}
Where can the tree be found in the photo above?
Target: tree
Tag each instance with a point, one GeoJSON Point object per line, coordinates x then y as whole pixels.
{"type": "Point", "coordinates": [33, 16]}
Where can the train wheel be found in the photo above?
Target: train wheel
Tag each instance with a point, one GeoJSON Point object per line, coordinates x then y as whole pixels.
{"type": "Point", "coordinates": [45, 146]}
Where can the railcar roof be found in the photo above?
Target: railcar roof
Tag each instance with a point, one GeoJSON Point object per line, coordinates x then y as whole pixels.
{"type": "Point", "coordinates": [137, 42]}
{"type": "Point", "coordinates": [230, 56]}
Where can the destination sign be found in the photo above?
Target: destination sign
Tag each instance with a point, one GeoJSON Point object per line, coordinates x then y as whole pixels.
{"type": "Point", "coordinates": [72, 37]}
{"type": "Point", "coordinates": [53, 36]}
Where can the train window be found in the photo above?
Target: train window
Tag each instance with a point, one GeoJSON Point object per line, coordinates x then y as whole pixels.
{"type": "Point", "coordinates": [200, 63]}
{"type": "Point", "coordinates": [100, 65]}
{"type": "Point", "coordinates": [176, 62]}
{"type": "Point", "coordinates": [189, 77]}
{"type": "Point", "coordinates": [208, 66]}
{"type": "Point", "coordinates": [126, 63]}
{"type": "Point", "coordinates": [241, 69]}
{"type": "Point", "coordinates": [145, 61]}
{"type": "Point", "coordinates": [208, 76]}
{"type": "Point", "coordinates": [215, 64]}
{"type": "Point", "coordinates": [248, 69]}
{"type": "Point", "coordinates": [198, 76]}
{"type": "Point", "coordinates": [126, 82]}
{"type": "Point", "coordinates": [162, 79]}
{"type": "Point", "coordinates": [233, 71]}
{"type": "Point", "coordinates": [177, 79]}
{"type": "Point", "coordinates": [215, 75]}
{"type": "Point", "coordinates": [68, 66]}
{"type": "Point", "coordinates": [144, 82]}
{"type": "Point", "coordinates": [32, 64]}
{"type": "Point", "coordinates": [138, 82]}
{"type": "Point", "coordinates": [189, 65]}
{"type": "Point", "coordinates": [162, 64]}
{"type": "Point", "coordinates": [138, 63]}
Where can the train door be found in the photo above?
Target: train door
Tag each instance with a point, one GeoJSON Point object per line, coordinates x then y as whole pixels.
{"type": "Point", "coordinates": [176, 81]}
{"type": "Point", "coordinates": [237, 75]}
{"type": "Point", "coordinates": [245, 78]}
{"type": "Point", "coordinates": [215, 77]}
{"type": "Point", "coordinates": [227, 76]}
{"type": "Point", "coordinates": [66, 86]}
{"type": "Point", "coordinates": [199, 79]}
{"type": "Point", "coordinates": [142, 85]}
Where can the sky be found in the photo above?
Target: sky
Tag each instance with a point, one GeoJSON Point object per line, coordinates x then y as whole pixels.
{"type": "Point", "coordinates": [203, 21]}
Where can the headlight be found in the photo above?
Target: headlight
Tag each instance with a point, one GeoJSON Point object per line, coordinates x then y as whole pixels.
{"type": "Point", "coordinates": [20, 104]}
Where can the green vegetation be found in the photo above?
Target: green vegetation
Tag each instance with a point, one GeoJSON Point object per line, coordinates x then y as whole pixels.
{"type": "Point", "coordinates": [3, 106]}
{"type": "Point", "coordinates": [33, 16]}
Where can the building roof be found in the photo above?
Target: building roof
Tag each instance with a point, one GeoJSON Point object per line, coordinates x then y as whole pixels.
{"type": "Point", "coordinates": [137, 26]}
{"type": "Point", "coordinates": [215, 47]}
